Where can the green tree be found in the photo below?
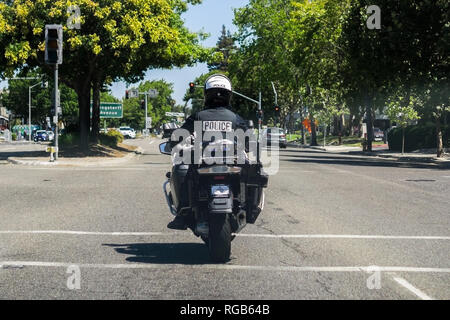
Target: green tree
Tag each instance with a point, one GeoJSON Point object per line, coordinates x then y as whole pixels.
{"type": "Point", "coordinates": [117, 40]}
{"type": "Point", "coordinates": [410, 50]}
{"type": "Point", "coordinates": [402, 111]}
{"type": "Point", "coordinates": [224, 48]}
{"type": "Point", "coordinates": [16, 100]}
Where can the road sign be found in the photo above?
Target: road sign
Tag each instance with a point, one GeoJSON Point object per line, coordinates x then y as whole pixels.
{"type": "Point", "coordinates": [133, 93]}
{"type": "Point", "coordinates": [149, 122]}
{"type": "Point", "coordinates": [174, 114]}
{"type": "Point", "coordinates": [152, 93]}
{"type": "Point", "coordinates": [110, 110]}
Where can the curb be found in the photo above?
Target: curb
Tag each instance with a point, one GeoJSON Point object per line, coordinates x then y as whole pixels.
{"type": "Point", "coordinates": [126, 158]}
{"type": "Point", "coordinates": [294, 145]}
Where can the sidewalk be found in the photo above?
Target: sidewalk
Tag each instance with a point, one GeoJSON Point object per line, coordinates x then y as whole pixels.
{"type": "Point", "coordinates": [326, 148]}
{"type": "Point", "coordinates": [425, 155]}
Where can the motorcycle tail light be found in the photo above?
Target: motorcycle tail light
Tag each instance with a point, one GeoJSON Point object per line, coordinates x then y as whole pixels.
{"type": "Point", "coordinates": [219, 177]}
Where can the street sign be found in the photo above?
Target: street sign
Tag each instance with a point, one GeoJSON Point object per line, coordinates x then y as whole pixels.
{"type": "Point", "coordinates": [149, 122]}
{"type": "Point", "coordinates": [133, 93]}
{"type": "Point", "coordinates": [110, 110]}
{"type": "Point", "coordinates": [174, 114]}
{"type": "Point", "coordinates": [152, 93]}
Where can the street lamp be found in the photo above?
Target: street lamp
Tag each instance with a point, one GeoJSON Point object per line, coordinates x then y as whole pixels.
{"type": "Point", "coordinates": [45, 85]}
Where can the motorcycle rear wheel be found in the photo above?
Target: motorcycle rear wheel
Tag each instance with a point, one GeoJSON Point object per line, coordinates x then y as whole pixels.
{"type": "Point", "coordinates": [219, 240]}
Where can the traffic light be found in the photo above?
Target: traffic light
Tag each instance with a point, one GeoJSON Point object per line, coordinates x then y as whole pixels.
{"type": "Point", "coordinates": [191, 87]}
{"type": "Point", "coordinates": [277, 110]}
{"type": "Point", "coordinates": [127, 95]}
{"type": "Point", "coordinates": [53, 43]}
{"type": "Point", "coordinates": [143, 104]}
{"type": "Point", "coordinates": [260, 114]}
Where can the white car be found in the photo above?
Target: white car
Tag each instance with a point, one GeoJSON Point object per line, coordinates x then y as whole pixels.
{"type": "Point", "coordinates": [51, 135]}
{"type": "Point", "coordinates": [127, 132]}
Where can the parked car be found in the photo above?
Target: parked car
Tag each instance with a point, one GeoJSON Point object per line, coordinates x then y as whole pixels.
{"type": "Point", "coordinates": [168, 129]}
{"type": "Point", "coordinates": [51, 135]}
{"type": "Point", "coordinates": [270, 135]}
{"type": "Point", "coordinates": [41, 135]}
{"type": "Point", "coordinates": [128, 132]}
{"type": "Point", "coordinates": [378, 134]}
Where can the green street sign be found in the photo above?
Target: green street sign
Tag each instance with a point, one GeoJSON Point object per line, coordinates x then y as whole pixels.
{"type": "Point", "coordinates": [110, 110]}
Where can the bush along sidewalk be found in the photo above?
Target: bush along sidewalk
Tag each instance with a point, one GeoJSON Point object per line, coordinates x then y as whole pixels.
{"type": "Point", "coordinates": [417, 137]}
{"type": "Point", "coordinates": [110, 139]}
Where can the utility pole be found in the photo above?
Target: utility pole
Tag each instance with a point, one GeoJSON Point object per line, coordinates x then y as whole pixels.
{"type": "Point", "coordinates": [56, 113]}
{"type": "Point", "coordinates": [146, 114]}
{"type": "Point", "coordinates": [54, 56]}
{"type": "Point", "coordinates": [29, 100]}
{"type": "Point", "coordinates": [29, 110]}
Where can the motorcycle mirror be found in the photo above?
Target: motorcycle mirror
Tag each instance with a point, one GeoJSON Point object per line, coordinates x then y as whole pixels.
{"type": "Point", "coordinates": [165, 148]}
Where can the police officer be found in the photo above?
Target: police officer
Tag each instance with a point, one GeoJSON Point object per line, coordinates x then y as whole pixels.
{"type": "Point", "coordinates": [217, 93]}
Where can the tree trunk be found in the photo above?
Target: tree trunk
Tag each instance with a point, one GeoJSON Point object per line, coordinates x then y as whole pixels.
{"type": "Point", "coordinates": [340, 128]}
{"type": "Point", "coordinates": [302, 127]}
{"type": "Point", "coordinates": [95, 111]}
{"type": "Point", "coordinates": [313, 131]}
{"type": "Point", "coordinates": [439, 144]}
{"type": "Point", "coordinates": [403, 140]}
{"type": "Point", "coordinates": [84, 101]}
{"type": "Point", "coordinates": [369, 122]}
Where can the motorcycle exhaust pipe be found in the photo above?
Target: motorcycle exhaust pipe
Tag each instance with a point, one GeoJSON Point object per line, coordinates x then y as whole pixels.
{"type": "Point", "coordinates": [169, 201]}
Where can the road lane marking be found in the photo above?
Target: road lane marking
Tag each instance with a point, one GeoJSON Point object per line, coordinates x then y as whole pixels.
{"type": "Point", "coordinates": [248, 235]}
{"type": "Point", "coordinates": [365, 269]}
{"type": "Point", "coordinates": [67, 232]}
{"type": "Point", "coordinates": [413, 289]}
{"type": "Point", "coordinates": [342, 236]}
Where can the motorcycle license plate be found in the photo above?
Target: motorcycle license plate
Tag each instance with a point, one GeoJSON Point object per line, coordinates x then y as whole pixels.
{"type": "Point", "coordinates": [223, 126]}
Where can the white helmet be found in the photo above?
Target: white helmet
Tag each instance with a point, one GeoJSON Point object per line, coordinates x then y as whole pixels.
{"type": "Point", "coordinates": [218, 91]}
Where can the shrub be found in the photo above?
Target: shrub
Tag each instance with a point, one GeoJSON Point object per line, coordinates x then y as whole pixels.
{"type": "Point", "coordinates": [14, 136]}
{"type": "Point", "coordinates": [421, 136]}
{"type": "Point", "coordinates": [68, 139]}
{"type": "Point", "coordinates": [111, 139]}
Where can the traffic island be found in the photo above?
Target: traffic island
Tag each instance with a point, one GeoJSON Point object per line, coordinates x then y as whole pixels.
{"type": "Point", "coordinates": [97, 155]}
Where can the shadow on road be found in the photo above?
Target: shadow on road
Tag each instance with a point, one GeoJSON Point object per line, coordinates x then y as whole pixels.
{"type": "Point", "coordinates": [164, 253]}
{"type": "Point", "coordinates": [22, 154]}
{"type": "Point", "coordinates": [330, 158]}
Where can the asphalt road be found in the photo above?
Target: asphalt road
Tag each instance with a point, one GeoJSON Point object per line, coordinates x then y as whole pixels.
{"type": "Point", "coordinates": [334, 227]}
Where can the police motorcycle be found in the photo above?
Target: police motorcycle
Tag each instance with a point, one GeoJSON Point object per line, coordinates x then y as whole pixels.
{"type": "Point", "coordinates": [217, 200]}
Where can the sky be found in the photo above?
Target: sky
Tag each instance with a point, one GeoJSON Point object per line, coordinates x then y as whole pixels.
{"type": "Point", "coordinates": [207, 17]}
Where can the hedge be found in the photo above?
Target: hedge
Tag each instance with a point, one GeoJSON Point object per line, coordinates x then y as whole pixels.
{"type": "Point", "coordinates": [417, 137]}
{"type": "Point", "coordinates": [111, 139]}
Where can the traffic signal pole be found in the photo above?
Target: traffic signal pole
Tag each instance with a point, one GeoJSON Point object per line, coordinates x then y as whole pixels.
{"type": "Point", "coordinates": [146, 115]}
{"type": "Point", "coordinates": [56, 112]}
